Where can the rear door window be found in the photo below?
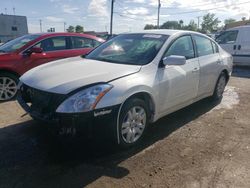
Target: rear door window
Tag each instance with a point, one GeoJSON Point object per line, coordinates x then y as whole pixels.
{"type": "Point", "coordinates": [81, 42]}
{"type": "Point", "coordinates": [204, 46]}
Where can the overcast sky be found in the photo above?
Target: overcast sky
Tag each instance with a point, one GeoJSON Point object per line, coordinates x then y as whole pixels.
{"type": "Point", "coordinates": [130, 15]}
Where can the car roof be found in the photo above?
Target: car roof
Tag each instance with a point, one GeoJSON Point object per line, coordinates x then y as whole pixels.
{"type": "Point", "coordinates": [67, 34]}
{"type": "Point", "coordinates": [167, 32]}
{"type": "Point", "coordinates": [243, 26]}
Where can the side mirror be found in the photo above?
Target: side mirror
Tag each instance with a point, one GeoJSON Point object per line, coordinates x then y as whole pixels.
{"type": "Point", "coordinates": [174, 60]}
{"type": "Point", "coordinates": [36, 50]}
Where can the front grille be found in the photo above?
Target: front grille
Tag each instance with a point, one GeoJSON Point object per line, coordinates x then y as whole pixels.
{"type": "Point", "coordinates": [39, 101]}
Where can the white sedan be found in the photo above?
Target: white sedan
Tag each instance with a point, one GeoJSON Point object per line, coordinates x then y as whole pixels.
{"type": "Point", "coordinates": [126, 83]}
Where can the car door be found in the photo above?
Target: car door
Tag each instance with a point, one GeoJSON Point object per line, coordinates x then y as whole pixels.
{"type": "Point", "coordinates": [179, 84]}
{"type": "Point", "coordinates": [53, 48]}
{"type": "Point", "coordinates": [229, 41]}
{"type": "Point", "coordinates": [82, 45]}
{"type": "Point", "coordinates": [209, 61]}
{"type": "Point", "coordinates": [242, 55]}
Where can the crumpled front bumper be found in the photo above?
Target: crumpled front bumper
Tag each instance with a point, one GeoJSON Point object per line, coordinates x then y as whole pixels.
{"type": "Point", "coordinates": [99, 122]}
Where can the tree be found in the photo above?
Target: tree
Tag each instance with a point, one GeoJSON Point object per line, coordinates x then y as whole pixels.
{"type": "Point", "coordinates": [71, 29]}
{"type": "Point", "coordinates": [243, 18]}
{"type": "Point", "coordinates": [229, 21]}
{"type": "Point", "coordinates": [181, 22]}
{"type": "Point", "coordinates": [171, 25]}
{"type": "Point", "coordinates": [150, 26]}
{"type": "Point", "coordinates": [209, 23]}
{"type": "Point", "coordinates": [192, 26]}
{"type": "Point", "coordinates": [79, 29]}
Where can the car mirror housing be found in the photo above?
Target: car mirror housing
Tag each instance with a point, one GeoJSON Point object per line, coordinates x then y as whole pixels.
{"type": "Point", "coordinates": [174, 60]}
{"type": "Point", "coordinates": [36, 50]}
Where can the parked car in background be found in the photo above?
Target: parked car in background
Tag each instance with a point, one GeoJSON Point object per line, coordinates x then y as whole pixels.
{"type": "Point", "coordinates": [24, 53]}
{"type": "Point", "coordinates": [236, 41]}
{"type": "Point", "coordinates": [126, 83]}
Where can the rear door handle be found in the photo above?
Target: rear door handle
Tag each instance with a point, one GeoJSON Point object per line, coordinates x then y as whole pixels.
{"type": "Point", "coordinates": [239, 47]}
{"type": "Point", "coordinates": [195, 69]}
{"type": "Point", "coordinates": [218, 61]}
{"type": "Point", "coordinates": [234, 47]}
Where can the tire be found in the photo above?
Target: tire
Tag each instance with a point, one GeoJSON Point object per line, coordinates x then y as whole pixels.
{"type": "Point", "coordinates": [219, 87]}
{"type": "Point", "coordinates": [8, 86]}
{"type": "Point", "coordinates": [133, 121]}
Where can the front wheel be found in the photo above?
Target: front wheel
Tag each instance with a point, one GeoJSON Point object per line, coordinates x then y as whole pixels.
{"type": "Point", "coordinates": [220, 87]}
{"type": "Point", "coordinates": [8, 86]}
{"type": "Point", "coordinates": [133, 122]}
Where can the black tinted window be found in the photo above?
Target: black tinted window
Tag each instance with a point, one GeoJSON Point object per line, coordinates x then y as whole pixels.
{"type": "Point", "coordinates": [204, 46]}
{"type": "Point", "coordinates": [183, 46]}
{"type": "Point", "coordinates": [227, 37]}
{"type": "Point", "coordinates": [81, 42]}
{"type": "Point", "coordinates": [53, 44]}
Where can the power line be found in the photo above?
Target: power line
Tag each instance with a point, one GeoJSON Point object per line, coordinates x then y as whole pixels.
{"type": "Point", "coordinates": [188, 12]}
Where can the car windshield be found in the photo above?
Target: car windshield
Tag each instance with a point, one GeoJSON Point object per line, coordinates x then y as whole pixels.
{"type": "Point", "coordinates": [17, 43]}
{"type": "Point", "coordinates": [134, 49]}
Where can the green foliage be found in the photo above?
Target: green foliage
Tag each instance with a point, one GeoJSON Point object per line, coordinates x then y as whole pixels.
{"type": "Point", "coordinates": [229, 21]}
{"type": "Point", "coordinates": [209, 23]}
{"type": "Point", "coordinates": [150, 26]}
{"type": "Point", "coordinates": [192, 26]}
{"type": "Point", "coordinates": [79, 29]}
{"type": "Point", "coordinates": [171, 25]}
{"type": "Point", "coordinates": [71, 29]}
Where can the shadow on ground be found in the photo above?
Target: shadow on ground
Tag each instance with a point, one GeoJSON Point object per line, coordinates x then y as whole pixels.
{"type": "Point", "coordinates": [29, 157]}
{"type": "Point", "coordinates": [241, 71]}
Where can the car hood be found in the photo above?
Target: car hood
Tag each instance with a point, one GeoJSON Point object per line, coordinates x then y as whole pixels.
{"type": "Point", "coordinates": [64, 76]}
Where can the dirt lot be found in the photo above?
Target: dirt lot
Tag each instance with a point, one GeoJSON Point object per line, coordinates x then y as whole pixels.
{"type": "Point", "coordinates": [203, 145]}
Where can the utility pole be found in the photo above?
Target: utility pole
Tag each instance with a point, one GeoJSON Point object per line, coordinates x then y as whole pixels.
{"type": "Point", "coordinates": [158, 19]}
{"type": "Point", "coordinates": [198, 17]}
{"type": "Point", "coordinates": [111, 17]}
{"type": "Point", "coordinates": [14, 11]}
{"type": "Point", "coordinates": [40, 21]}
{"type": "Point", "coordinates": [64, 26]}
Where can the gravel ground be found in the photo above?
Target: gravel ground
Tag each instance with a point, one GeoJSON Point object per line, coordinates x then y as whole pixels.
{"type": "Point", "coordinates": [203, 145]}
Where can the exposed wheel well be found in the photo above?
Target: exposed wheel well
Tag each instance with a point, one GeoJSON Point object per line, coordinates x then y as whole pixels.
{"type": "Point", "coordinates": [148, 100]}
{"type": "Point", "coordinates": [226, 73]}
{"type": "Point", "coordinates": [10, 72]}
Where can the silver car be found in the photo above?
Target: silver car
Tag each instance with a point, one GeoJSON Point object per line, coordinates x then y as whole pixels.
{"type": "Point", "coordinates": [125, 84]}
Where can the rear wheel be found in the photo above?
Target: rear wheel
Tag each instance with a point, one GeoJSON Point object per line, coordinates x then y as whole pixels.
{"type": "Point", "coordinates": [220, 87]}
{"type": "Point", "coordinates": [8, 86]}
{"type": "Point", "coordinates": [133, 122]}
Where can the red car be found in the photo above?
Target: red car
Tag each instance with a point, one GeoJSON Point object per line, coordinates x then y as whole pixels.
{"type": "Point", "coordinates": [24, 53]}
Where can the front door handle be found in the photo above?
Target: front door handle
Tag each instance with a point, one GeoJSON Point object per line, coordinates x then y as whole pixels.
{"type": "Point", "coordinates": [239, 47]}
{"type": "Point", "coordinates": [234, 47]}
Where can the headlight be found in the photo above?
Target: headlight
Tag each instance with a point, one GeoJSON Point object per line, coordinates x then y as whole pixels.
{"type": "Point", "coordinates": [84, 100]}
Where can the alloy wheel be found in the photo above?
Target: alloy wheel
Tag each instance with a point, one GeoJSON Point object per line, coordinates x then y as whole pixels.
{"type": "Point", "coordinates": [133, 124]}
{"type": "Point", "coordinates": [8, 88]}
